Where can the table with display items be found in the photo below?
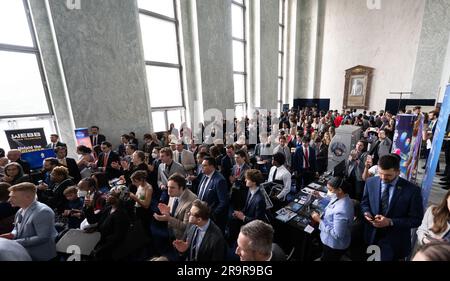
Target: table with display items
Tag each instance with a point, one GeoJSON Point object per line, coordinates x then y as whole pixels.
{"type": "Point", "coordinates": [293, 226]}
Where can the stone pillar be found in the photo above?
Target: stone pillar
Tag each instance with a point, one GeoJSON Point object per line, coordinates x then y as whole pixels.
{"type": "Point", "coordinates": [431, 54]}
{"type": "Point", "coordinates": [102, 55]}
{"type": "Point", "coordinates": [55, 77]}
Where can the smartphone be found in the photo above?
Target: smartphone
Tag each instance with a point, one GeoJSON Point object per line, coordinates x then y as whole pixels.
{"type": "Point", "coordinates": [371, 218]}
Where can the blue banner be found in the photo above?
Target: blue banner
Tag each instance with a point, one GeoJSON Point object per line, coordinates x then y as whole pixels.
{"type": "Point", "coordinates": [438, 138]}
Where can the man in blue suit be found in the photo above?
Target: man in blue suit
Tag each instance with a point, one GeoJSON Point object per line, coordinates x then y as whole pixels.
{"type": "Point", "coordinates": [214, 191]}
{"type": "Point", "coordinates": [391, 206]}
{"type": "Point", "coordinates": [254, 207]}
{"type": "Point", "coordinates": [304, 163]}
{"type": "Point", "coordinates": [34, 223]}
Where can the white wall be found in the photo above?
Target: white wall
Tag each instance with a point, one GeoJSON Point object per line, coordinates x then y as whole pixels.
{"type": "Point", "coordinates": [385, 39]}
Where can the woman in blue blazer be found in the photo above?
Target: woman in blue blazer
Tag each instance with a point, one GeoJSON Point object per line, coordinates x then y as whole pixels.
{"type": "Point", "coordinates": [336, 222]}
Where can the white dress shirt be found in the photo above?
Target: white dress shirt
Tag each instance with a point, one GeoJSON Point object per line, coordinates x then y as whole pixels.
{"type": "Point", "coordinates": [282, 175]}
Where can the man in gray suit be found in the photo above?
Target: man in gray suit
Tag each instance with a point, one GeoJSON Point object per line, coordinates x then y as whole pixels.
{"type": "Point", "coordinates": [167, 168]}
{"type": "Point", "coordinates": [34, 223]}
{"type": "Point", "coordinates": [184, 157]}
{"type": "Point", "coordinates": [180, 202]}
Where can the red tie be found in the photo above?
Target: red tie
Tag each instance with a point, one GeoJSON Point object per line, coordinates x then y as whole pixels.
{"type": "Point", "coordinates": [238, 171]}
{"type": "Point", "coordinates": [105, 160]}
{"type": "Point", "coordinates": [306, 158]}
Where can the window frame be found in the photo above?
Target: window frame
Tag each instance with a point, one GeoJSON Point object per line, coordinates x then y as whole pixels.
{"type": "Point", "coordinates": [281, 29]}
{"type": "Point", "coordinates": [36, 51]}
{"type": "Point", "coordinates": [244, 41]}
{"type": "Point", "coordinates": [178, 66]}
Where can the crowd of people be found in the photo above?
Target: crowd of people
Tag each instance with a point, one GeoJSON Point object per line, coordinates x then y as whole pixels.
{"type": "Point", "coordinates": [196, 195]}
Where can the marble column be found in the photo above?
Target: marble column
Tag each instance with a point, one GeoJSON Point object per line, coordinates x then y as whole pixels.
{"type": "Point", "coordinates": [265, 49]}
{"type": "Point", "coordinates": [431, 54]}
{"type": "Point", "coordinates": [54, 75]}
{"type": "Point", "coordinates": [215, 54]}
{"type": "Point", "coordinates": [103, 59]}
{"type": "Point", "coordinates": [191, 52]}
{"type": "Point", "coordinates": [310, 15]}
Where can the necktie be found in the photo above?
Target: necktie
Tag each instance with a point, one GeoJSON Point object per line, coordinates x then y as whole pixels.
{"type": "Point", "coordinates": [179, 157]}
{"type": "Point", "coordinates": [274, 174]}
{"type": "Point", "coordinates": [249, 198]}
{"type": "Point", "coordinates": [385, 199]}
{"type": "Point", "coordinates": [167, 170]}
{"type": "Point", "coordinates": [193, 255]}
{"type": "Point", "coordinates": [19, 217]}
{"type": "Point", "coordinates": [238, 171]}
{"type": "Point", "coordinates": [19, 222]}
{"type": "Point", "coordinates": [174, 207]}
{"type": "Point", "coordinates": [203, 188]}
{"type": "Point", "coordinates": [105, 160]}
{"type": "Point", "coordinates": [95, 140]}
{"type": "Point", "coordinates": [306, 158]}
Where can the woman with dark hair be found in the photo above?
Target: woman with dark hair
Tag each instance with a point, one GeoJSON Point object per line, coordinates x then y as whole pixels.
{"type": "Point", "coordinates": [14, 174]}
{"type": "Point", "coordinates": [436, 223]}
{"type": "Point", "coordinates": [86, 158]}
{"type": "Point", "coordinates": [321, 149]}
{"type": "Point", "coordinates": [143, 198]}
{"type": "Point", "coordinates": [101, 182]}
{"type": "Point", "coordinates": [96, 151]}
{"type": "Point", "coordinates": [87, 187]}
{"type": "Point", "coordinates": [137, 164]}
{"type": "Point", "coordinates": [336, 222]}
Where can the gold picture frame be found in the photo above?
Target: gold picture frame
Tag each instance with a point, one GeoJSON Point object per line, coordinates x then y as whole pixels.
{"type": "Point", "coordinates": [358, 82]}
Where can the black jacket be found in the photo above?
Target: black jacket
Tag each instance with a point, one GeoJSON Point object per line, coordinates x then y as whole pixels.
{"type": "Point", "coordinates": [113, 228]}
{"type": "Point", "coordinates": [213, 246]}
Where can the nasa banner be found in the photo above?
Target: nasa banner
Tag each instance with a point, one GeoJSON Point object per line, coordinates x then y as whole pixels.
{"type": "Point", "coordinates": [436, 147]}
{"type": "Point", "coordinates": [26, 140]}
{"type": "Point", "coordinates": [82, 136]}
{"type": "Point", "coordinates": [406, 143]}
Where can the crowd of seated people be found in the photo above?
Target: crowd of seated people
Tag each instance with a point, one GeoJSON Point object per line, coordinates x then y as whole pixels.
{"type": "Point", "coordinates": [183, 195]}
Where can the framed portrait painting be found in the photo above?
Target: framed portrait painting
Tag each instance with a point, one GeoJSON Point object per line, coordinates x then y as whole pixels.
{"type": "Point", "coordinates": [358, 81]}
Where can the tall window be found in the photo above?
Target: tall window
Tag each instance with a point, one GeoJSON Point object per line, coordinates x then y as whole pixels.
{"type": "Point", "coordinates": [160, 36]}
{"type": "Point", "coordinates": [239, 54]}
{"type": "Point", "coordinates": [281, 27]}
{"type": "Point", "coordinates": [24, 99]}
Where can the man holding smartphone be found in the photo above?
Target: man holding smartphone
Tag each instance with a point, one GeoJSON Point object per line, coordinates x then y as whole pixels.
{"type": "Point", "coordinates": [391, 206]}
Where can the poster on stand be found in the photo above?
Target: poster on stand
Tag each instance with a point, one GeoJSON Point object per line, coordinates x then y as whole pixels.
{"type": "Point", "coordinates": [82, 136]}
{"type": "Point", "coordinates": [406, 143]}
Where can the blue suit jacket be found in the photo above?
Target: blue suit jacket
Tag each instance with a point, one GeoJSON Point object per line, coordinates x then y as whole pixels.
{"type": "Point", "coordinates": [405, 210]}
{"type": "Point", "coordinates": [255, 209]}
{"type": "Point", "coordinates": [216, 195]}
{"type": "Point", "coordinates": [36, 232]}
{"type": "Point", "coordinates": [297, 160]}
